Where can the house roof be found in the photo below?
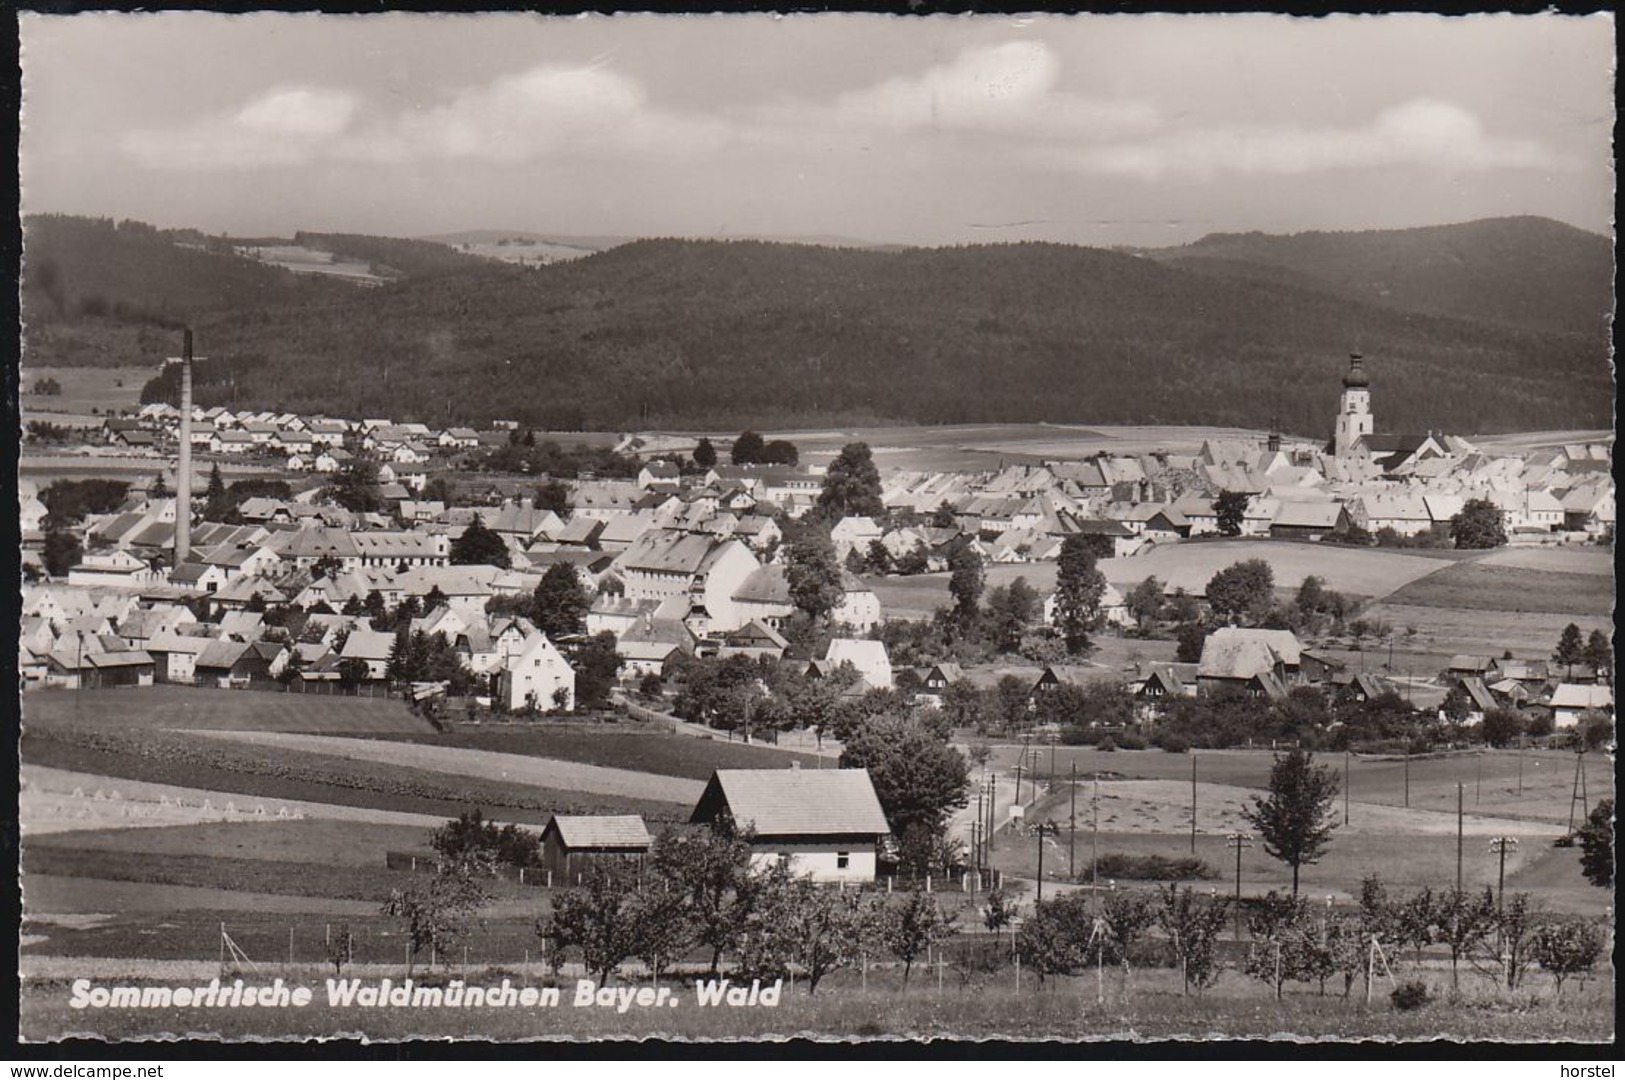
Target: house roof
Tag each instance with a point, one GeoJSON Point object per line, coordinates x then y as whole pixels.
{"type": "Point", "coordinates": [1241, 653]}
{"type": "Point", "coordinates": [367, 645]}
{"type": "Point", "coordinates": [606, 832]}
{"type": "Point", "coordinates": [1581, 696]}
{"type": "Point", "coordinates": [795, 802]}
{"type": "Point", "coordinates": [222, 654]}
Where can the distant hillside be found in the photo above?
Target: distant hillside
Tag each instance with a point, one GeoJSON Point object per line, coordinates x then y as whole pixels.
{"type": "Point", "coordinates": [713, 334]}
{"type": "Point", "coordinates": [1523, 271]}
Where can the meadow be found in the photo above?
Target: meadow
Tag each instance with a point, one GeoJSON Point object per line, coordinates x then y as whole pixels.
{"type": "Point", "coordinates": [83, 389]}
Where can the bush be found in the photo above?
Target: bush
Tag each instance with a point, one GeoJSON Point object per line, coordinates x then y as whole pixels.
{"type": "Point", "coordinates": [1411, 994]}
{"type": "Point", "coordinates": [1107, 744]}
{"type": "Point", "coordinates": [1149, 868]}
{"type": "Point", "coordinates": [1130, 741]}
{"type": "Point", "coordinates": [1171, 741]}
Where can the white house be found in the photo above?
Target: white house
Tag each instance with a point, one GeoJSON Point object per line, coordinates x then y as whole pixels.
{"type": "Point", "coordinates": [537, 677]}
{"type": "Point", "coordinates": [826, 823]}
{"type": "Point", "coordinates": [868, 657]}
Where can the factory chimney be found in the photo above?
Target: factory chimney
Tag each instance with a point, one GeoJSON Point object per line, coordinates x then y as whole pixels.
{"type": "Point", "coordinates": [183, 470]}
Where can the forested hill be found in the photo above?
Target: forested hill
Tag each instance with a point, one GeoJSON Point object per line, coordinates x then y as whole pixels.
{"type": "Point", "coordinates": [1523, 271]}
{"type": "Point", "coordinates": [698, 333]}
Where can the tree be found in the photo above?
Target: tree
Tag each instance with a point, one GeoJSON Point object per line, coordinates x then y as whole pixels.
{"type": "Point", "coordinates": [1566, 948]}
{"type": "Point", "coordinates": [1144, 602]}
{"type": "Point", "coordinates": [1190, 637]}
{"type": "Point", "coordinates": [215, 504]}
{"type": "Point", "coordinates": [1193, 926]}
{"type": "Point", "coordinates": [1571, 648]}
{"type": "Point", "coordinates": [353, 671]}
{"type": "Point", "coordinates": [559, 605]}
{"type": "Point", "coordinates": [999, 912]}
{"type": "Point", "coordinates": [1515, 925]}
{"type": "Point", "coordinates": [1463, 920]}
{"type": "Point", "coordinates": [597, 664]}
{"type": "Point", "coordinates": [1599, 653]}
{"type": "Point", "coordinates": [438, 909]}
{"type": "Point", "coordinates": [1596, 838]}
{"type": "Point", "coordinates": [705, 455]}
{"type": "Point", "coordinates": [965, 581]}
{"type": "Point", "coordinates": [599, 917]}
{"type": "Point", "coordinates": [1456, 706]}
{"type": "Point", "coordinates": [918, 777]}
{"type": "Point", "coordinates": [851, 485]}
{"type": "Point", "coordinates": [1502, 727]}
{"type": "Point", "coordinates": [709, 866]}
{"type": "Point", "coordinates": [944, 516]}
{"type": "Point", "coordinates": [1079, 585]}
{"type": "Point", "coordinates": [479, 546]}
{"type": "Point", "coordinates": [1293, 819]}
{"type": "Point", "coordinates": [355, 487]}
{"type": "Point", "coordinates": [1477, 526]}
{"type": "Point", "coordinates": [813, 575]}
{"type": "Point", "coordinates": [1243, 591]}
{"type": "Point", "coordinates": [1279, 953]}
{"type": "Point", "coordinates": [1230, 508]}
{"type": "Point", "coordinates": [1311, 598]}
{"type": "Point", "coordinates": [908, 930]}
{"type": "Point", "coordinates": [553, 494]}
{"type": "Point", "coordinates": [62, 552]}
{"type": "Point", "coordinates": [1010, 610]}
{"type": "Point", "coordinates": [780, 452]}
{"type": "Point", "coordinates": [1055, 939]}
{"type": "Point", "coordinates": [747, 449]}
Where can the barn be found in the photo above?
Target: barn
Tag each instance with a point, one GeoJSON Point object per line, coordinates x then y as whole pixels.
{"type": "Point", "coordinates": [823, 822]}
{"type": "Point", "coordinates": [570, 843]}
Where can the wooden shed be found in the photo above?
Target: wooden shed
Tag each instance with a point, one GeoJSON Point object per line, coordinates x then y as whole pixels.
{"type": "Point", "coordinates": [571, 843]}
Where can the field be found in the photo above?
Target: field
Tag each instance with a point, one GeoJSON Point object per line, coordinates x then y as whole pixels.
{"type": "Point", "coordinates": [1359, 572]}
{"type": "Point", "coordinates": [639, 750]}
{"type": "Point", "coordinates": [83, 389]}
{"type": "Point", "coordinates": [302, 260]}
{"type": "Point", "coordinates": [1485, 586]}
{"type": "Point", "coordinates": [178, 707]}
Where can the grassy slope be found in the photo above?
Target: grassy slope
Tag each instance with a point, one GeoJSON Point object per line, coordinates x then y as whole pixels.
{"type": "Point", "coordinates": [661, 753]}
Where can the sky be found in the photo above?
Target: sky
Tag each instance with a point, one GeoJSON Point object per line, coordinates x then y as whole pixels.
{"type": "Point", "coordinates": [1141, 130]}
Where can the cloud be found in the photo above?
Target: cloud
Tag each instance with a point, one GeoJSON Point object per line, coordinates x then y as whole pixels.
{"type": "Point", "coordinates": [1422, 133]}
{"type": "Point", "coordinates": [284, 126]}
{"type": "Point", "coordinates": [1009, 88]}
{"type": "Point", "coordinates": [545, 110]}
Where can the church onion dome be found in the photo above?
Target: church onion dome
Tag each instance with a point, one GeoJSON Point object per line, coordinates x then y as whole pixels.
{"type": "Point", "coordinates": [1356, 379]}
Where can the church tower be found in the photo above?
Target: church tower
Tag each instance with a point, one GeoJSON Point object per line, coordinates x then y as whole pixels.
{"type": "Point", "coordinates": [1354, 408]}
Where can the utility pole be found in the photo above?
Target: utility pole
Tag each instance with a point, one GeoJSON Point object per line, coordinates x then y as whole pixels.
{"type": "Point", "coordinates": [1094, 849]}
{"type": "Point", "coordinates": [1499, 845]}
{"type": "Point", "coordinates": [1072, 834]}
{"type": "Point", "coordinates": [976, 830]}
{"type": "Point", "coordinates": [1020, 761]}
{"type": "Point", "coordinates": [992, 803]}
{"type": "Point", "coordinates": [1238, 840]}
{"type": "Point", "coordinates": [1460, 832]}
{"type": "Point", "coordinates": [1520, 764]}
{"type": "Point", "coordinates": [1345, 787]}
{"type": "Point", "coordinates": [1193, 802]}
{"type": "Point", "coordinates": [1577, 793]}
{"type": "Point", "coordinates": [1043, 831]}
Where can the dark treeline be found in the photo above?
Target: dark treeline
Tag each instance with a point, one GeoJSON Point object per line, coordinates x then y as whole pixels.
{"type": "Point", "coordinates": [667, 332]}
